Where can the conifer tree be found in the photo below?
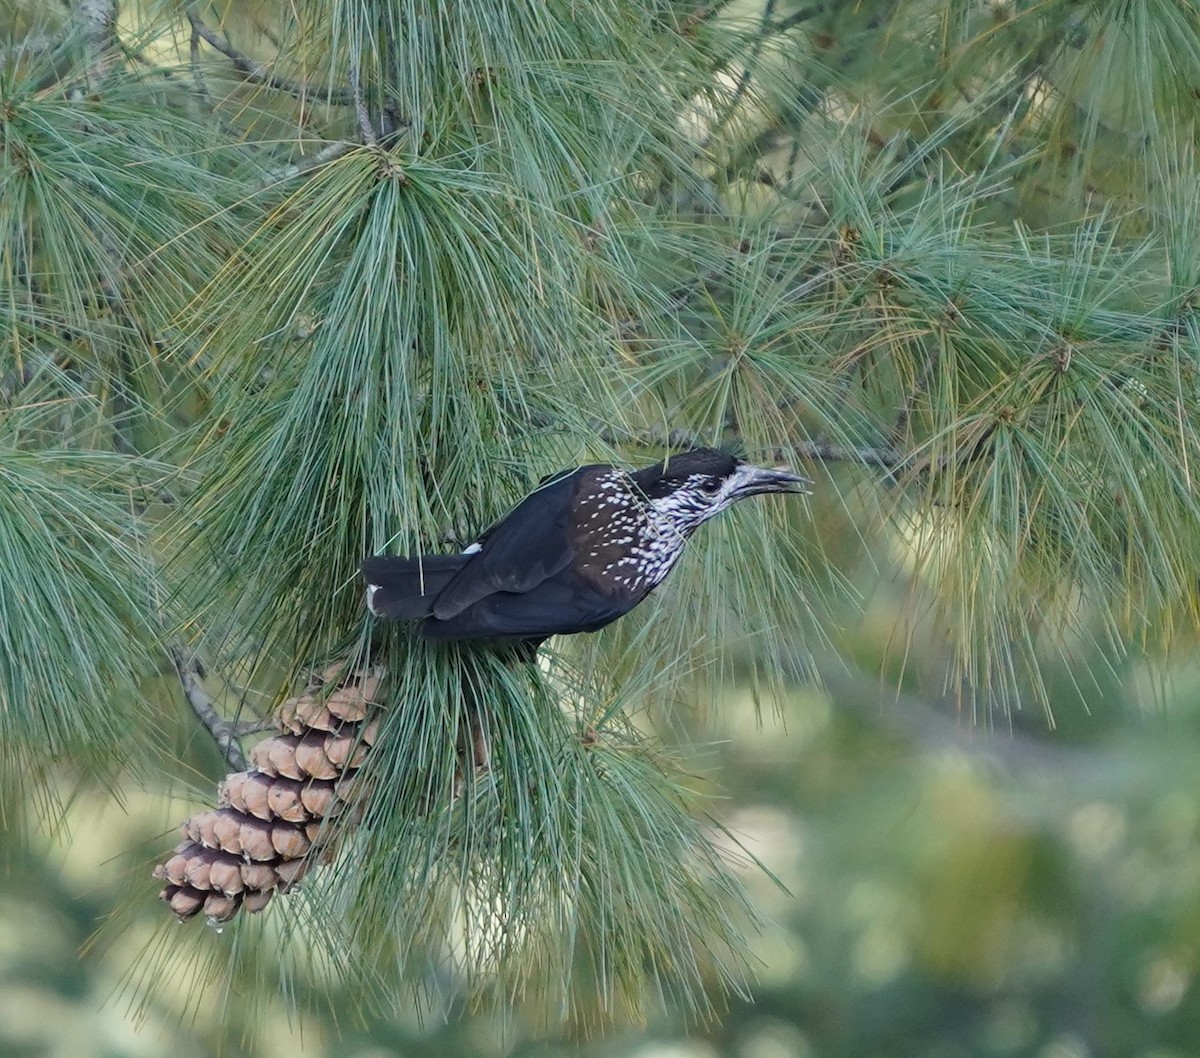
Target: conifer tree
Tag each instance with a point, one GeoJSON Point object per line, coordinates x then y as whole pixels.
{"type": "Point", "coordinates": [286, 285]}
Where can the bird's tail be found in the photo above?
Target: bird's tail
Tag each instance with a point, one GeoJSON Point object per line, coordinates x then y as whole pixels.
{"type": "Point", "coordinates": [407, 587]}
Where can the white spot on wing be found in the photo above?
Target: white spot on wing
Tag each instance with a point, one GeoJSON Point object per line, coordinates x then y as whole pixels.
{"type": "Point", "coordinates": [473, 549]}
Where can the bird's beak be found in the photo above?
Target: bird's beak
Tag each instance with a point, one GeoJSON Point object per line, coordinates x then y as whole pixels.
{"type": "Point", "coordinates": [756, 480]}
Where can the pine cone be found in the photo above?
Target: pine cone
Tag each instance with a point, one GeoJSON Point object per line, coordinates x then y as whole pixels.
{"type": "Point", "coordinates": [273, 822]}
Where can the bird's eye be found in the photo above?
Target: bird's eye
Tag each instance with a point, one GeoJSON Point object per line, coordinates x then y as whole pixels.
{"type": "Point", "coordinates": [711, 486]}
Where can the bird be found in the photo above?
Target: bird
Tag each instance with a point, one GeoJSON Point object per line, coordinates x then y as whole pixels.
{"type": "Point", "coordinates": [581, 550]}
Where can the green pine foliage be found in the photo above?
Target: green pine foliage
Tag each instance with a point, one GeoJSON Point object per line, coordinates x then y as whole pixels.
{"type": "Point", "coordinates": [285, 285]}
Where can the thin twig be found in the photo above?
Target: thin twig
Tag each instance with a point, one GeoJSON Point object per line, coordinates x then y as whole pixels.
{"type": "Point", "coordinates": [743, 82]}
{"type": "Point", "coordinates": [391, 120]}
{"type": "Point", "coordinates": [198, 81]}
{"type": "Point", "coordinates": [306, 164]}
{"type": "Point", "coordinates": [900, 427]}
{"type": "Point", "coordinates": [265, 29]}
{"type": "Point", "coordinates": [97, 20]}
{"type": "Point", "coordinates": [702, 14]}
{"type": "Point", "coordinates": [34, 44]}
{"type": "Point", "coordinates": [884, 456]}
{"type": "Point", "coordinates": [652, 438]}
{"type": "Point", "coordinates": [797, 17]}
{"type": "Point", "coordinates": [674, 299]}
{"type": "Point", "coordinates": [360, 108]}
{"type": "Point", "coordinates": [867, 455]}
{"type": "Point", "coordinates": [933, 729]}
{"type": "Point", "coordinates": [200, 90]}
{"type": "Point", "coordinates": [224, 734]}
{"type": "Point", "coordinates": [255, 727]}
{"type": "Point", "coordinates": [257, 72]}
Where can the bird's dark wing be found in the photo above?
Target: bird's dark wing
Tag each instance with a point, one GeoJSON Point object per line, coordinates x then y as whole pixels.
{"type": "Point", "coordinates": [560, 606]}
{"type": "Point", "coordinates": [530, 545]}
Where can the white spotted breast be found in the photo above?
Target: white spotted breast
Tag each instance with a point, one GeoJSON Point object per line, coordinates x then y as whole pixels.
{"type": "Point", "coordinates": [624, 545]}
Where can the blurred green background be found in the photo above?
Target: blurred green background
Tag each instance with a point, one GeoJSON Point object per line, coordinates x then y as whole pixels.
{"type": "Point", "coordinates": [931, 887]}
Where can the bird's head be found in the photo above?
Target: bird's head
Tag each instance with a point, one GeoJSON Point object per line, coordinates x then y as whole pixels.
{"type": "Point", "coordinates": [691, 487]}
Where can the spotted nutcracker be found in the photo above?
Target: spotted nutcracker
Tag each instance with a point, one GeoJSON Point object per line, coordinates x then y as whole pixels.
{"type": "Point", "coordinates": [581, 550]}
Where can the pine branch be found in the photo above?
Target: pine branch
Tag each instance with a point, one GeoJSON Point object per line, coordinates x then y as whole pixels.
{"type": "Point", "coordinates": [331, 152]}
{"type": "Point", "coordinates": [365, 128]}
{"type": "Point", "coordinates": [797, 18]}
{"type": "Point", "coordinates": [97, 22]}
{"type": "Point", "coordinates": [883, 456]}
{"type": "Point", "coordinates": [866, 455]}
{"type": "Point", "coordinates": [935, 725]}
{"type": "Point", "coordinates": [257, 72]}
{"type": "Point", "coordinates": [900, 427]}
{"type": "Point", "coordinates": [744, 78]}
{"type": "Point", "coordinates": [223, 733]}
{"type": "Point", "coordinates": [34, 44]}
{"type": "Point", "coordinates": [200, 84]}
{"type": "Point", "coordinates": [254, 727]}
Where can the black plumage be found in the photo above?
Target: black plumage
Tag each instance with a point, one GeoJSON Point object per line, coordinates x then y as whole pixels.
{"type": "Point", "coordinates": [579, 551]}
